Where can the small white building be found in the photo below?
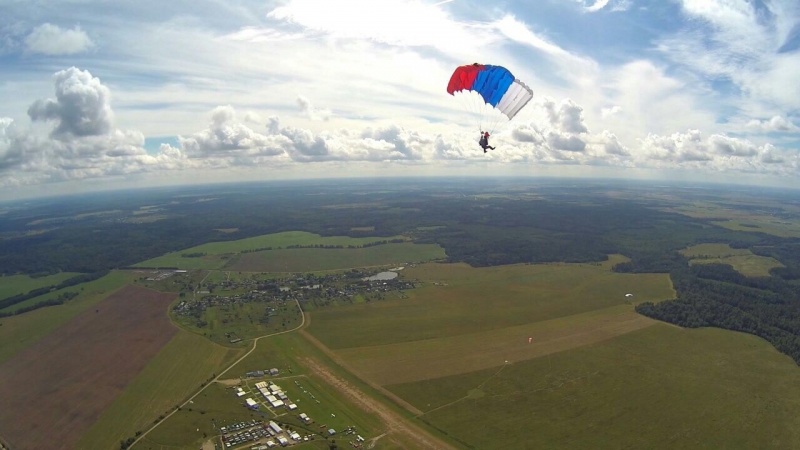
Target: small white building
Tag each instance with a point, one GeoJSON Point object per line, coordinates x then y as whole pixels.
{"type": "Point", "coordinates": [291, 406]}
{"type": "Point", "coordinates": [283, 441]}
{"type": "Point", "coordinates": [295, 435]}
{"type": "Point", "coordinates": [274, 427]}
{"type": "Point", "coordinates": [252, 404]}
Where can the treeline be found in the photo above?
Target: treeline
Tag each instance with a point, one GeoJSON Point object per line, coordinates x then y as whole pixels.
{"type": "Point", "coordinates": [193, 255]}
{"type": "Point", "coordinates": [72, 281]}
{"type": "Point", "coordinates": [326, 246]}
{"type": "Point", "coordinates": [60, 300]}
{"type": "Point", "coordinates": [716, 295]}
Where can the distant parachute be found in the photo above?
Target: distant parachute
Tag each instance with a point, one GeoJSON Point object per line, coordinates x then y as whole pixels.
{"type": "Point", "coordinates": [490, 93]}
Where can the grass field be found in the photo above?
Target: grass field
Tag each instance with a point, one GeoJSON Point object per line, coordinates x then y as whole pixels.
{"type": "Point", "coordinates": [594, 374]}
{"type": "Point", "coordinates": [659, 387]}
{"type": "Point", "coordinates": [755, 215]}
{"type": "Point", "coordinates": [456, 299]}
{"type": "Point", "coordinates": [194, 424]}
{"type": "Point", "coordinates": [169, 378]}
{"type": "Point", "coordinates": [313, 260]}
{"type": "Point", "coordinates": [452, 355]}
{"type": "Point", "coordinates": [11, 285]}
{"type": "Point", "coordinates": [220, 405]}
{"type": "Point", "coordinates": [742, 260]}
{"type": "Point", "coordinates": [217, 253]}
{"type": "Point", "coordinates": [768, 225]}
{"type": "Point", "coordinates": [18, 332]}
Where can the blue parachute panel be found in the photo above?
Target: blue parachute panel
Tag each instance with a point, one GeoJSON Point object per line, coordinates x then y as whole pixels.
{"type": "Point", "coordinates": [492, 83]}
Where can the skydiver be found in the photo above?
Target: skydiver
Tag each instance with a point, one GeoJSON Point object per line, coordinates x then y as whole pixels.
{"type": "Point", "coordinates": [484, 142]}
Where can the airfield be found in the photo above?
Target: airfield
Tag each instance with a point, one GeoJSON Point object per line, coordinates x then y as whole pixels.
{"type": "Point", "coordinates": [552, 355]}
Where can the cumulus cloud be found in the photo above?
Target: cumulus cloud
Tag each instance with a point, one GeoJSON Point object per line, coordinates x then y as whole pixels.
{"type": "Point", "coordinates": [310, 111]}
{"type": "Point", "coordinates": [567, 117]}
{"type": "Point", "coordinates": [48, 39]}
{"type": "Point", "coordinates": [774, 124]}
{"type": "Point", "coordinates": [227, 137]}
{"type": "Point", "coordinates": [84, 143]}
{"type": "Point", "coordinates": [81, 107]}
{"type": "Point", "coordinates": [716, 153]}
{"type": "Point", "coordinates": [566, 143]}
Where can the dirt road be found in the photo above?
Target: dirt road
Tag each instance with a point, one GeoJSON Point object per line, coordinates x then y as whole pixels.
{"type": "Point", "coordinates": [395, 424]}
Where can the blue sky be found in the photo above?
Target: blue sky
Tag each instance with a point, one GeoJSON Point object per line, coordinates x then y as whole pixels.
{"type": "Point", "coordinates": [107, 95]}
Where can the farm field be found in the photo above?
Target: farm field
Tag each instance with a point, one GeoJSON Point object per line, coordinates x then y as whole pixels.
{"type": "Point", "coordinates": [750, 215]}
{"type": "Point", "coordinates": [11, 285]}
{"type": "Point", "coordinates": [19, 332]}
{"type": "Point", "coordinates": [216, 254]}
{"type": "Point", "coordinates": [169, 378]}
{"type": "Point", "coordinates": [55, 389]}
{"type": "Point", "coordinates": [452, 355]}
{"type": "Point", "coordinates": [456, 299]}
{"type": "Point", "coordinates": [314, 260]}
{"type": "Point", "coordinates": [742, 260]}
{"type": "Point", "coordinates": [658, 387]}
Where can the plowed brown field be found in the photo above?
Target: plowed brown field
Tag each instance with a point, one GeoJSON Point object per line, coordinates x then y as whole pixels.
{"type": "Point", "coordinates": [52, 392]}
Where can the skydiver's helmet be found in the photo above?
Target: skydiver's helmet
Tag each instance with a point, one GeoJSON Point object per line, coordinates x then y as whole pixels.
{"type": "Point", "coordinates": [486, 133]}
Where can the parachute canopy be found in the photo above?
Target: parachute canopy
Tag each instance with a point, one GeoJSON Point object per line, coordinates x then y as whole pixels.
{"type": "Point", "coordinates": [495, 84]}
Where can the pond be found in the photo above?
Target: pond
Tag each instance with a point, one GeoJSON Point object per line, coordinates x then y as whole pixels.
{"type": "Point", "coordinates": [382, 276]}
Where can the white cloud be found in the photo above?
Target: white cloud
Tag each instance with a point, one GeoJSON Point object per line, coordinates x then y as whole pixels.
{"type": "Point", "coordinates": [774, 124]}
{"type": "Point", "coordinates": [49, 39]}
{"type": "Point", "coordinates": [567, 118]}
{"type": "Point", "coordinates": [82, 105]}
{"type": "Point", "coordinates": [739, 42]}
{"type": "Point", "coordinates": [596, 6]}
{"type": "Point", "coordinates": [393, 22]}
{"type": "Point", "coordinates": [310, 111]}
{"type": "Point", "coordinates": [227, 138]}
{"type": "Point", "coordinates": [609, 111]}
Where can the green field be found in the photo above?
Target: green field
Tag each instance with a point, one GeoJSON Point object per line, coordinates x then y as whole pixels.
{"type": "Point", "coordinates": [313, 260]}
{"type": "Point", "coordinates": [170, 377]}
{"type": "Point", "coordinates": [18, 332]}
{"type": "Point", "coordinates": [742, 260]}
{"type": "Point", "coordinates": [659, 387]}
{"type": "Point", "coordinates": [456, 299]}
{"type": "Point", "coordinates": [11, 285]}
{"type": "Point", "coordinates": [752, 215]}
{"type": "Point", "coordinates": [768, 225]}
{"type": "Point", "coordinates": [220, 404]}
{"type": "Point", "coordinates": [218, 253]}
{"type": "Point", "coordinates": [194, 424]}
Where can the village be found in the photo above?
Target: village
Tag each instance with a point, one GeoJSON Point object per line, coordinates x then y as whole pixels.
{"type": "Point", "coordinates": [309, 289]}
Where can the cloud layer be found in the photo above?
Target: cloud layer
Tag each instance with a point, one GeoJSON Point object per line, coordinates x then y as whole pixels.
{"type": "Point", "coordinates": [348, 87]}
{"type": "Point", "coordinates": [82, 142]}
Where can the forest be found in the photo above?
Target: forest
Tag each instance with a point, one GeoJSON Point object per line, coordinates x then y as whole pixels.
{"type": "Point", "coordinates": [482, 222]}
